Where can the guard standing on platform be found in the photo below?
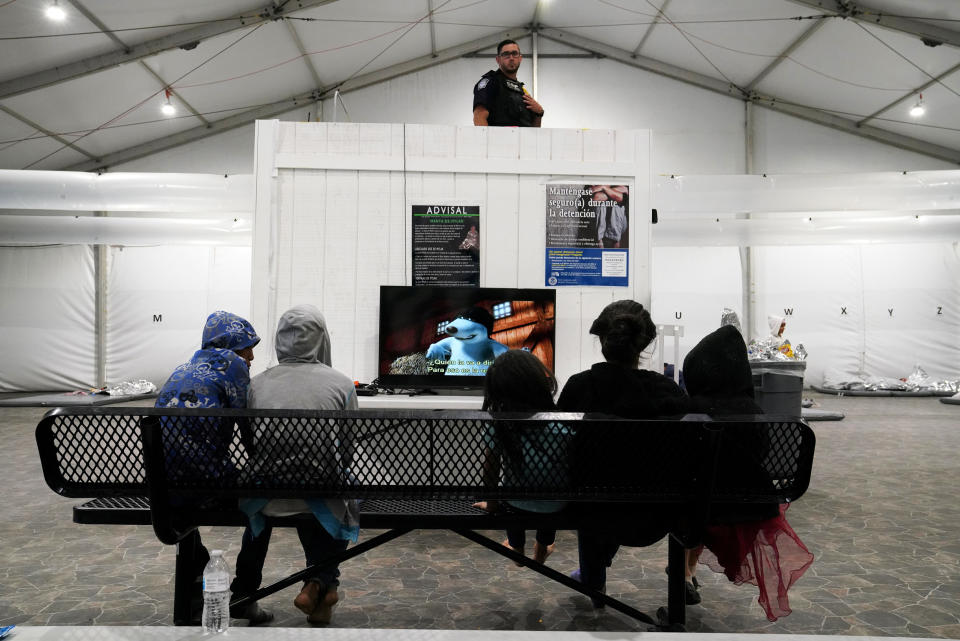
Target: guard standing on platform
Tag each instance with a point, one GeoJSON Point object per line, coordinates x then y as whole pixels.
{"type": "Point", "coordinates": [499, 99]}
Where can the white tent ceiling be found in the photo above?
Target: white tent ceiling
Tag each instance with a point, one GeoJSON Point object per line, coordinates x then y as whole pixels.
{"type": "Point", "coordinates": [85, 93]}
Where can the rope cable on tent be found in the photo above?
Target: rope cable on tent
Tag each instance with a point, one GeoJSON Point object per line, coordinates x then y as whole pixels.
{"type": "Point", "coordinates": [145, 100]}
{"type": "Point", "coordinates": [911, 62]}
{"type": "Point", "coordinates": [690, 42]}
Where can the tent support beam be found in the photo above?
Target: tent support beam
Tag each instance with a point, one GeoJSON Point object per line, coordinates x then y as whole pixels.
{"type": "Point", "coordinates": [929, 33]}
{"type": "Point", "coordinates": [55, 136]}
{"type": "Point", "coordinates": [746, 253]}
{"type": "Point", "coordinates": [646, 34]}
{"type": "Point", "coordinates": [100, 309]}
{"type": "Point", "coordinates": [793, 46]}
{"type": "Point", "coordinates": [906, 96]}
{"type": "Point", "coordinates": [311, 68]}
{"type": "Point", "coordinates": [186, 39]}
{"type": "Point", "coordinates": [433, 29]}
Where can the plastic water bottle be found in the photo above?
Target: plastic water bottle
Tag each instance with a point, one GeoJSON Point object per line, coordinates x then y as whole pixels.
{"type": "Point", "coordinates": [216, 594]}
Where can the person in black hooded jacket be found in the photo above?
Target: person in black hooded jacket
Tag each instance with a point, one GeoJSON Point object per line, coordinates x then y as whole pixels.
{"type": "Point", "coordinates": [618, 387]}
{"type": "Point", "coordinates": [748, 543]}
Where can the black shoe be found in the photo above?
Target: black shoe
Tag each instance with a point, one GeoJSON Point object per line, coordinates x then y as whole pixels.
{"type": "Point", "coordinates": [252, 612]}
{"type": "Point", "coordinates": [692, 591]}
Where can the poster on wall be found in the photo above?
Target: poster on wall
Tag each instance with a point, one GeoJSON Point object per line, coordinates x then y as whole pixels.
{"type": "Point", "coordinates": [587, 235]}
{"type": "Point", "coordinates": [446, 245]}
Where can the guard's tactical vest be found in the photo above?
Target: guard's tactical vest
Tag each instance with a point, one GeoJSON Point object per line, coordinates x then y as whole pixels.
{"type": "Point", "coordinates": [508, 108]}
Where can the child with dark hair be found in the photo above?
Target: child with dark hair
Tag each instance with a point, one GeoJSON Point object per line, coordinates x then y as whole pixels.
{"type": "Point", "coordinates": [620, 388]}
{"type": "Point", "coordinates": [528, 454]}
{"type": "Point", "coordinates": [617, 386]}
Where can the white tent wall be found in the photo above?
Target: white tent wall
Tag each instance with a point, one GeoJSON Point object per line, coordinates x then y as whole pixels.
{"type": "Point", "coordinates": [787, 145]}
{"type": "Point", "coordinates": [47, 336]}
{"type": "Point", "coordinates": [912, 309]}
{"type": "Point", "coordinates": [873, 309]}
{"type": "Point", "coordinates": [837, 302]}
{"type": "Point", "coordinates": [694, 131]}
{"type": "Point", "coordinates": [159, 298]}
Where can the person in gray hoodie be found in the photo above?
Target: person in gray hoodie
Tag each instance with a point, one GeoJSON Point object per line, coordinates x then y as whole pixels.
{"type": "Point", "coordinates": [303, 379]}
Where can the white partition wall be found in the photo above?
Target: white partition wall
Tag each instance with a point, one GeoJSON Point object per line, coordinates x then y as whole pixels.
{"type": "Point", "coordinates": [109, 278]}
{"type": "Point", "coordinates": [332, 219]}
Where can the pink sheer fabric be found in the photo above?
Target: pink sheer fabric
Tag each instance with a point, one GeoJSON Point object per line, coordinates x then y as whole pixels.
{"type": "Point", "coordinates": [768, 554]}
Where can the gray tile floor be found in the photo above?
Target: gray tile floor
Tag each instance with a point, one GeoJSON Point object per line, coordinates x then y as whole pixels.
{"type": "Point", "coordinates": [880, 516]}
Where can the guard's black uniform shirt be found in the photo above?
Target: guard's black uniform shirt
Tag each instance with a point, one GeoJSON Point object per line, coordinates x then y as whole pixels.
{"type": "Point", "coordinates": [503, 98]}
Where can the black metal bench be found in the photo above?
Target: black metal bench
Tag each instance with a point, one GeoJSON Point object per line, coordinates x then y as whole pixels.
{"type": "Point", "coordinates": [420, 470]}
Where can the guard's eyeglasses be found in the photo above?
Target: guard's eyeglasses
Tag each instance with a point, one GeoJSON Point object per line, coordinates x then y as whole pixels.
{"type": "Point", "coordinates": [509, 54]}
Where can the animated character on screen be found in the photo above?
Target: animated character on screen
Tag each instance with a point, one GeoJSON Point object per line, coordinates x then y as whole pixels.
{"type": "Point", "coordinates": [468, 349]}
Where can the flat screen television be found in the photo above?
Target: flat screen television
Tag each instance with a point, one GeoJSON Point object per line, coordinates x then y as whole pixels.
{"type": "Point", "coordinates": [447, 337]}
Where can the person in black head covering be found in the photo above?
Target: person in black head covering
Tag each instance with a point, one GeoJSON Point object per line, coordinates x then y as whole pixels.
{"type": "Point", "coordinates": [753, 543]}
{"type": "Point", "coordinates": [717, 375]}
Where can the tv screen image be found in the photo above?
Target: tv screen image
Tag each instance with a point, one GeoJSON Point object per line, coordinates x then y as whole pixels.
{"type": "Point", "coordinates": [443, 337]}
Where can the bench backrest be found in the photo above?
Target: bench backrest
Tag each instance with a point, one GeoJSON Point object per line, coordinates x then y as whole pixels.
{"type": "Point", "coordinates": [89, 452]}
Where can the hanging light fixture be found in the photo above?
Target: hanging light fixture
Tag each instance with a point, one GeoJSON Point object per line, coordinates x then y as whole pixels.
{"type": "Point", "coordinates": [168, 109]}
{"type": "Point", "coordinates": [56, 12]}
{"type": "Point", "coordinates": [918, 109]}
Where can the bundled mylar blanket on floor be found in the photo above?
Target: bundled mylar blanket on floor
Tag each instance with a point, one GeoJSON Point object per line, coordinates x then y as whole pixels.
{"type": "Point", "coordinates": [917, 381]}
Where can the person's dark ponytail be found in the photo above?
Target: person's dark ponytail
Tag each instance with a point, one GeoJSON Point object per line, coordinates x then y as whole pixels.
{"type": "Point", "coordinates": [625, 329]}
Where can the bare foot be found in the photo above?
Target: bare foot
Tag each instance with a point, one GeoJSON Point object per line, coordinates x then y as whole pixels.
{"type": "Point", "coordinates": [324, 610]}
{"type": "Point", "coordinates": [506, 544]}
{"type": "Point", "coordinates": [541, 552]}
{"type": "Point", "coordinates": [306, 601]}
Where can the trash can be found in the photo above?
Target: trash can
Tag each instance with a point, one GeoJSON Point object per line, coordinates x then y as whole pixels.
{"type": "Point", "coordinates": [778, 386]}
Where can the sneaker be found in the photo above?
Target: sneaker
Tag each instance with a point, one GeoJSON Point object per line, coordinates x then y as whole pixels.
{"type": "Point", "coordinates": [324, 610]}
{"type": "Point", "coordinates": [252, 612]}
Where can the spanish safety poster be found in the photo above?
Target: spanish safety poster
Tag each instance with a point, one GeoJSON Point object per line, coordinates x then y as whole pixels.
{"type": "Point", "coordinates": [587, 230]}
{"type": "Point", "coordinates": [446, 245]}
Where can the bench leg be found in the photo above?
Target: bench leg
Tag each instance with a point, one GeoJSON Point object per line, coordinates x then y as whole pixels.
{"type": "Point", "coordinates": [184, 579]}
{"type": "Point", "coordinates": [676, 592]}
{"type": "Point", "coordinates": [296, 577]}
{"type": "Point", "coordinates": [550, 573]}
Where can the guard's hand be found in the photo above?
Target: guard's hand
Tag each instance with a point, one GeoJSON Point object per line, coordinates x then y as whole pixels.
{"type": "Point", "coordinates": [532, 105]}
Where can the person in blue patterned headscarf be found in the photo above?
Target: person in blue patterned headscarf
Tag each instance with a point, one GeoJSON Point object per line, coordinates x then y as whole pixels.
{"type": "Point", "coordinates": [217, 375]}
{"type": "Point", "coordinates": [219, 372]}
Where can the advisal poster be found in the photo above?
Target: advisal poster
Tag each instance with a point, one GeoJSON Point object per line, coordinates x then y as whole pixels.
{"type": "Point", "coordinates": [446, 245]}
{"type": "Point", "coordinates": [587, 235]}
